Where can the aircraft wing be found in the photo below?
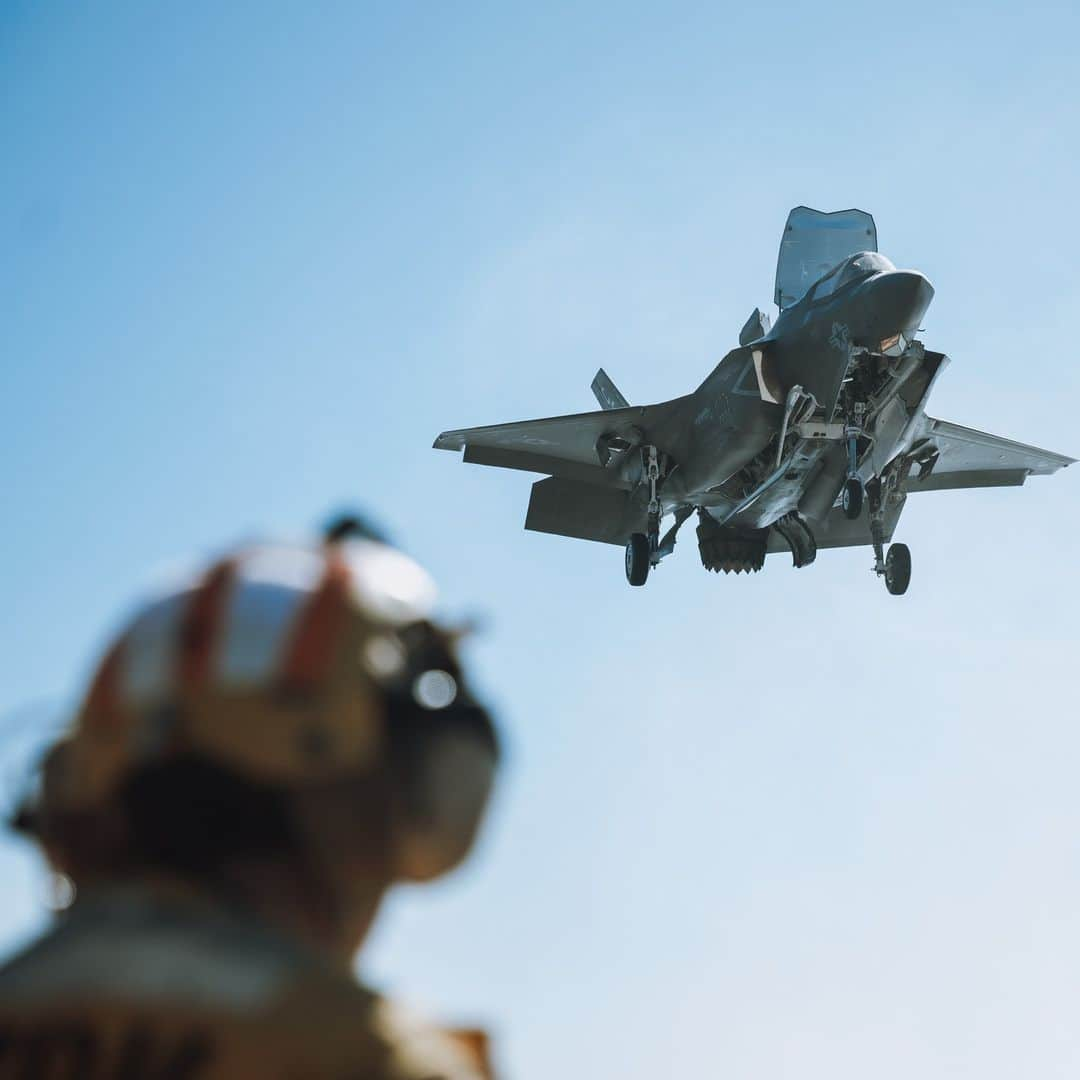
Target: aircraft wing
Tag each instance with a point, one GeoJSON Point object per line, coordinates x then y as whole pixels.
{"type": "Point", "coordinates": [576, 446]}
{"type": "Point", "coordinates": [949, 456]}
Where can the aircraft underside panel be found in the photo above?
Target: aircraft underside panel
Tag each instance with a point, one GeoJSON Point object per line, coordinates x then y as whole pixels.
{"type": "Point", "coordinates": [837, 531]}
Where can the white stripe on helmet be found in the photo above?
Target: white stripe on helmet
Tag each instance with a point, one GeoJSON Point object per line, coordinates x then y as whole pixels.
{"type": "Point", "coordinates": [148, 656]}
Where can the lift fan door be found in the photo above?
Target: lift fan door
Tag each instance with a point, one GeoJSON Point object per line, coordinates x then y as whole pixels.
{"type": "Point", "coordinates": [813, 243]}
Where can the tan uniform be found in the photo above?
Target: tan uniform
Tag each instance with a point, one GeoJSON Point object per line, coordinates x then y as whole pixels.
{"type": "Point", "coordinates": [136, 985]}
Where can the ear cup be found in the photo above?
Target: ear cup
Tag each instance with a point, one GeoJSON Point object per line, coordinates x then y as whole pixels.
{"type": "Point", "coordinates": [449, 781]}
{"type": "Point", "coordinates": [443, 764]}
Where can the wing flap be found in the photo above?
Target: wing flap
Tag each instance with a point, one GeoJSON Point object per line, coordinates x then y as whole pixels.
{"type": "Point", "coordinates": [540, 463]}
{"type": "Point", "coordinates": [971, 478]}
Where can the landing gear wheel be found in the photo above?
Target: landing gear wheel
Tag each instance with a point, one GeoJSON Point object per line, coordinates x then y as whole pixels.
{"type": "Point", "coordinates": [852, 498]}
{"type": "Point", "coordinates": [637, 559]}
{"type": "Point", "coordinates": [898, 569]}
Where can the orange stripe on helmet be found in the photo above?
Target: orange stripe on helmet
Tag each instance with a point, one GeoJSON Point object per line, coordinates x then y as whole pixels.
{"type": "Point", "coordinates": [318, 629]}
{"type": "Point", "coordinates": [102, 707]}
{"type": "Point", "coordinates": [200, 627]}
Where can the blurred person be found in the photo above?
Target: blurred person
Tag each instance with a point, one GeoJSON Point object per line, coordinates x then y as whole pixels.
{"type": "Point", "coordinates": [261, 754]}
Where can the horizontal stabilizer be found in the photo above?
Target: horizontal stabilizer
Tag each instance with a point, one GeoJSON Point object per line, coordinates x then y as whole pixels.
{"type": "Point", "coordinates": [949, 457]}
{"type": "Point", "coordinates": [607, 393]}
{"type": "Point", "coordinates": [566, 508]}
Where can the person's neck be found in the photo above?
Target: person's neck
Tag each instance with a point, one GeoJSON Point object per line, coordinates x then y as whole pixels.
{"type": "Point", "coordinates": [332, 920]}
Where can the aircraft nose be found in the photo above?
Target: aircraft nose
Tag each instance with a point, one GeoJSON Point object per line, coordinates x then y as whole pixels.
{"type": "Point", "coordinates": [902, 297]}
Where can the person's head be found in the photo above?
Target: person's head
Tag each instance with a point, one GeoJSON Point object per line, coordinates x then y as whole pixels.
{"type": "Point", "coordinates": [290, 720]}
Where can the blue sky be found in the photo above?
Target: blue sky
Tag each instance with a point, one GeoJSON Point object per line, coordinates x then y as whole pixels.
{"type": "Point", "coordinates": [257, 257]}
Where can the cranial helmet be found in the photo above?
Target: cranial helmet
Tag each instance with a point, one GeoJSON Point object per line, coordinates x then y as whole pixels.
{"type": "Point", "coordinates": [292, 666]}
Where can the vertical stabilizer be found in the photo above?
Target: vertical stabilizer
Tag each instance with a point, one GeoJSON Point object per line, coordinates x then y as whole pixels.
{"type": "Point", "coordinates": [607, 393]}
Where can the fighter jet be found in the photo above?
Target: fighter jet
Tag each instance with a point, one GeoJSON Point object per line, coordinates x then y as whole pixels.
{"type": "Point", "coordinates": [811, 434]}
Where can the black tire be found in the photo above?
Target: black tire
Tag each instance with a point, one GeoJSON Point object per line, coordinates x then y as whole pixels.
{"type": "Point", "coordinates": [898, 569]}
{"type": "Point", "coordinates": [852, 498]}
{"type": "Point", "coordinates": [637, 559]}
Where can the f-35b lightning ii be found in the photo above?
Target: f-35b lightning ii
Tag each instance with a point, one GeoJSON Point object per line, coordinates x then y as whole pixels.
{"type": "Point", "coordinates": [811, 434]}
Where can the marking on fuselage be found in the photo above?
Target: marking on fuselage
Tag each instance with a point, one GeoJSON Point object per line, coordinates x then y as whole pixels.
{"type": "Point", "coordinates": [840, 338]}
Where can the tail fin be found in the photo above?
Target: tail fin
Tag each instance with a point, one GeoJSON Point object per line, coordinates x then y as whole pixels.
{"type": "Point", "coordinates": [607, 393]}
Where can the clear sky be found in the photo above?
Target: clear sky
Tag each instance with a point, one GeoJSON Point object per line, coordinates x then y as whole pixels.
{"type": "Point", "coordinates": [256, 256]}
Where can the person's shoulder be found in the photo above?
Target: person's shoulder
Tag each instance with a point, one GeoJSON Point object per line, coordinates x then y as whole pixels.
{"type": "Point", "coordinates": [128, 945]}
{"type": "Point", "coordinates": [260, 1000]}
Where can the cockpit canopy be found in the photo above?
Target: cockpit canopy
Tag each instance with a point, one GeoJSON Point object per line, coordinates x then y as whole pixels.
{"type": "Point", "coordinates": [815, 242]}
{"type": "Point", "coordinates": [854, 268]}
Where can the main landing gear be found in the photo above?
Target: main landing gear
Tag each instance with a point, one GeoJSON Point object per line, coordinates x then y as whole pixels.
{"type": "Point", "coordinates": [898, 569]}
{"type": "Point", "coordinates": [637, 559]}
{"type": "Point", "coordinates": [895, 567]}
{"type": "Point", "coordinates": [643, 549]}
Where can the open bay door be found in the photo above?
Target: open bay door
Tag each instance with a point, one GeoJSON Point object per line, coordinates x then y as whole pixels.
{"type": "Point", "coordinates": [813, 243]}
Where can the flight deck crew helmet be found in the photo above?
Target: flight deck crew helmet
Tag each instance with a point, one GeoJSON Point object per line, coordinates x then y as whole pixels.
{"type": "Point", "coordinates": [291, 667]}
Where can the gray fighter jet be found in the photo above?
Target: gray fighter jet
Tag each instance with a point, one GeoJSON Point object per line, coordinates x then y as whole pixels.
{"type": "Point", "coordinates": [811, 434]}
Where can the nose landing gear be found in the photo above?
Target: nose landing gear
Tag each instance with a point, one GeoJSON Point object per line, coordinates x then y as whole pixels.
{"type": "Point", "coordinates": [852, 498]}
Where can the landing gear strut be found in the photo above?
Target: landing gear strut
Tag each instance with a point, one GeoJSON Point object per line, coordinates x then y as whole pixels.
{"type": "Point", "coordinates": [643, 549]}
{"type": "Point", "coordinates": [650, 461]}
